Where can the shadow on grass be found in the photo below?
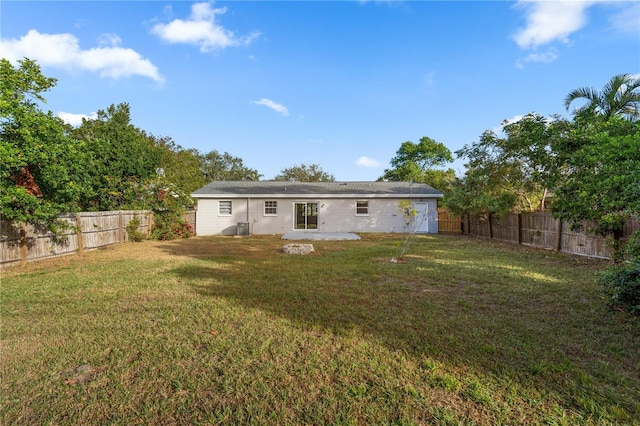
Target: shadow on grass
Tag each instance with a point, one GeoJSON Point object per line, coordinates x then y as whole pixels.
{"type": "Point", "coordinates": [521, 316]}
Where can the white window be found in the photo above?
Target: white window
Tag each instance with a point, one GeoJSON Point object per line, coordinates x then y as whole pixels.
{"type": "Point", "coordinates": [270, 208]}
{"type": "Point", "coordinates": [224, 208]}
{"type": "Point", "coordinates": [362, 208]}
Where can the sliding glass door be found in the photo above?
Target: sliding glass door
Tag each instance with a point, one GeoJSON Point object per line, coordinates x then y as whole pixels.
{"type": "Point", "coordinates": [306, 216]}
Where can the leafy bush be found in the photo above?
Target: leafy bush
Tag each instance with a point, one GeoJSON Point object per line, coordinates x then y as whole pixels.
{"type": "Point", "coordinates": [621, 283]}
{"type": "Point", "coordinates": [632, 247]}
{"type": "Point", "coordinates": [169, 225]}
{"type": "Point", "coordinates": [132, 231]}
{"type": "Point", "coordinates": [168, 204]}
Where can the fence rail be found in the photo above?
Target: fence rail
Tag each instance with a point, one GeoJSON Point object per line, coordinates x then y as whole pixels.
{"type": "Point", "coordinates": [541, 230]}
{"type": "Point", "coordinates": [90, 230]}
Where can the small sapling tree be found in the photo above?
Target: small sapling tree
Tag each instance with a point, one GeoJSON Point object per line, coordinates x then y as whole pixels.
{"type": "Point", "coordinates": [411, 222]}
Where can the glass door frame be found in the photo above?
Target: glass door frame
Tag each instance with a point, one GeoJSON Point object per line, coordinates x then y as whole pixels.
{"type": "Point", "coordinates": [308, 217]}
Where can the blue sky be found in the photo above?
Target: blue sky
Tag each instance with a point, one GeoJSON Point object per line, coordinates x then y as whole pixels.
{"type": "Point", "coordinates": [340, 84]}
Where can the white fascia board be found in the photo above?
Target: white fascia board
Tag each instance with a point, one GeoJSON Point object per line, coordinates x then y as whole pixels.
{"type": "Point", "coordinates": [315, 196]}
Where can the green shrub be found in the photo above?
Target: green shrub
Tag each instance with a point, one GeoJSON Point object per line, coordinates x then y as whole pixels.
{"type": "Point", "coordinates": [170, 225]}
{"type": "Point", "coordinates": [621, 284]}
{"type": "Point", "coordinates": [168, 204]}
{"type": "Point", "coordinates": [632, 247]}
{"type": "Point", "coordinates": [132, 230]}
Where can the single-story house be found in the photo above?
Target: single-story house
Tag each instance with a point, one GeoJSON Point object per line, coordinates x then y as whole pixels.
{"type": "Point", "coordinates": [275, 207]}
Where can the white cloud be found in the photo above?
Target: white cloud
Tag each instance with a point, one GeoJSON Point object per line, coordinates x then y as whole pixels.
{"type": "Point", "coordinates": [75, 119]}
{"type": "Point", "coordinates": [543, 57]}
{"type": "Point", "coordinates": [365, 161]}
{"type": "Point", "coordinates": [555, 20]}
{"type": "Point", "coordinates": [549, 21]}
{"type": "Point", "coordinates": [109, 40]}
{"type": "Point", "coordinates": [627, 18]}
{"type": "Point", "coordinates": [63, 51]}
{"type": "Point", "coordinates": [273, 105]}
{"type": "Point", "coordinates": [201, 29]}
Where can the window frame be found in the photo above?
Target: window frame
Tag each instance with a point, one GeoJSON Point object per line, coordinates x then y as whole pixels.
{"type": "Point", "coordinates": [360, 207]}
{"type": "Point", "coordinates": [220, 207]}
{"type": "Point", "coordinates": [274, 206]}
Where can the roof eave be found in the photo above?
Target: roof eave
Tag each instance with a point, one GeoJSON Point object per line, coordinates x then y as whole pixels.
{"type": "Point", "coordinates": [297, 195]}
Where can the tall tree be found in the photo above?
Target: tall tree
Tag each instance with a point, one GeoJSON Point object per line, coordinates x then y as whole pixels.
{"type": "Point", "coordinates": [514, 172]}
{"type": "Point", "coordinates": [600, 181]}
{"type": "Point", "coordinates": [472, 195]}
{"type": "Point", "coordinates": [123, 156]}
{"type": "Point", "coordinates": [216, 166]}
{"type": "Point", "coordinates": [43, 171]}
{"type": "Point", "coordinates": [503, 172]}
{"type": "Point", "coordinates": [305, 173]}
{"type": "Point", "coordinates": [422, 162]}
{"type": "Point", "coordinates": [181, 166]}
{"type": "Point", "coordinates": [538, 145]}
{"type": "Point", "coordinates": [620, 96]}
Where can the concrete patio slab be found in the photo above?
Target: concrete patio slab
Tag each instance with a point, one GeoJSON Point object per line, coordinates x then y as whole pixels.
{"type": "Point", "coordinates": [316, 236]}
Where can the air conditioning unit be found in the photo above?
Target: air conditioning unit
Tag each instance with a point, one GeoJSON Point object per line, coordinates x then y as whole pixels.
{"type": "Point", "coordinates": [243, 228]}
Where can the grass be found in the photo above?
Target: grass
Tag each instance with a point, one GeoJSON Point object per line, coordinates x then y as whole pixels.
{"type": "Point", "coordinates": [221, 330]}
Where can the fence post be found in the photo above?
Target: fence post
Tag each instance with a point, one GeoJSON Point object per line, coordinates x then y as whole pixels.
{"type": "Point", "coordinates": [490, 228]}
{"type": "Point", "coordinates": [23, 243]}
{"type": "Point", "coordinates": [79, 232]}
{"type": "Point", "coordinates": [120, 226]}
{"type": "Point", "coordinates": [559, 236]}
{"type": "Point", "coordinates": [150, 224]}
{"type": "Point", "coordinates": [519, 236]}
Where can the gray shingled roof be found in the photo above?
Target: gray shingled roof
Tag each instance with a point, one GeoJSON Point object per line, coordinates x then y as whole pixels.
{"type": "Point", "coordinates": [261, 188]}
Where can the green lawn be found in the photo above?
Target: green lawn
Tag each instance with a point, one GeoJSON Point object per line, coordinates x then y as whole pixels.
{"type": "Point", "coordinates": [222, 330]}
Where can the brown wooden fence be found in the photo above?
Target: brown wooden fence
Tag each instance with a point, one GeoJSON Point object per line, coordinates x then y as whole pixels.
{"type": "Point", "coordinates": [448, 223]}
{"type": "Point", "coordinates": [23, 243]}
{"type": "Point", "coordinates": [541, 230]}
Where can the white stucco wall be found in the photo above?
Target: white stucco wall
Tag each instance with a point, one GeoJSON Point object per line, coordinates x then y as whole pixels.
{"type": "Point", "coordinates": [334, 215]}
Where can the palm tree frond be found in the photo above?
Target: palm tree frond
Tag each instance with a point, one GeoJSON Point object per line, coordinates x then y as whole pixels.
{"type": "Point", "coordinates": [588, 93]}
{"type": "Point", "coordinates": [620, 96]}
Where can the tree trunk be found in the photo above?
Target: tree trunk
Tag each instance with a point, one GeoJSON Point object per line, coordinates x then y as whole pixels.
{"type": "Point", "coordinates": [544, 199]}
